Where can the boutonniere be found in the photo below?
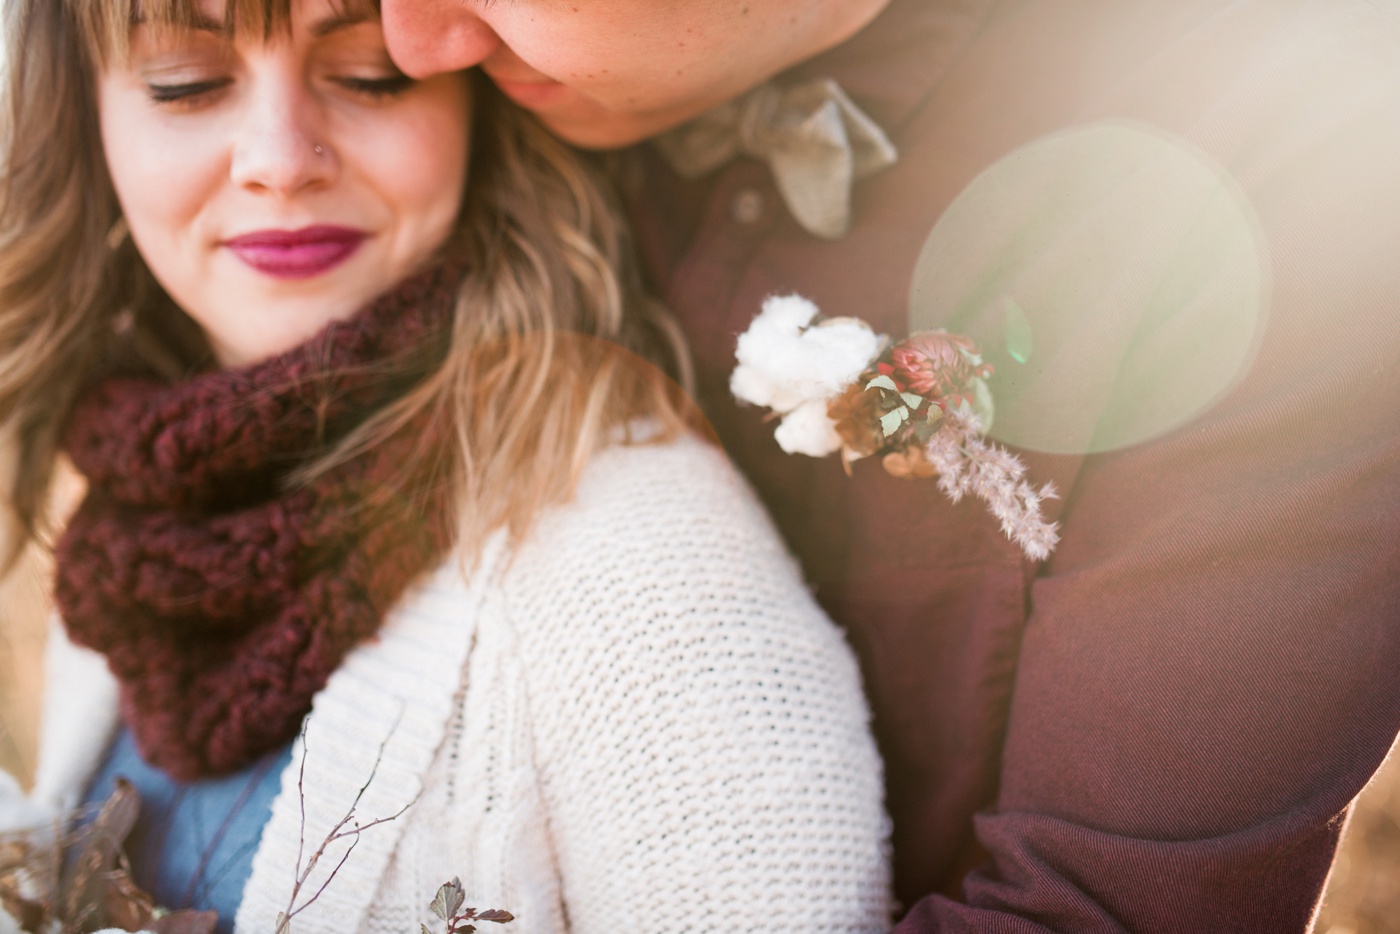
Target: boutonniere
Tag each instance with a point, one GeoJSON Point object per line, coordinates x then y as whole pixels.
{"type": "Point", "coordinates": [922, 405]}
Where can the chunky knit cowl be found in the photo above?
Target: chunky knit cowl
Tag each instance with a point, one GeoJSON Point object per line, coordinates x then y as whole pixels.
{"type": "Point", "coordinates": [223, 596]}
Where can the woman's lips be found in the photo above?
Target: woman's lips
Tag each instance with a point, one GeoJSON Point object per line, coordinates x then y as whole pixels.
{"type": "Point", "coordinates": [297, 254]}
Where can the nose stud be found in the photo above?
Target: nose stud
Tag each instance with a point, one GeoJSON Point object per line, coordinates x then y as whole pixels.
{"type": "Point", "coordinates": [318, 150]}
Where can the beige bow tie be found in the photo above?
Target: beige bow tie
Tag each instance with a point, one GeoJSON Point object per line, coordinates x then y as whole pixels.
{"type": "Point", "coordinates": [817, 142]}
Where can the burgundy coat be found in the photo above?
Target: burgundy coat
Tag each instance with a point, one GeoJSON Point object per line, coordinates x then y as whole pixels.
{"type": "Point", "coordinates": [1161, 727]}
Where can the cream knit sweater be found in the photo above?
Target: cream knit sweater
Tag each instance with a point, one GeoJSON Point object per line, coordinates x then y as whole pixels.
{"type": "Point", "coordinates": [639, 720]}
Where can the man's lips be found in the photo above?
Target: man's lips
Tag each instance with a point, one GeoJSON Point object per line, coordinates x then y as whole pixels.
{"type": "Point", "coordinates": [531, 93]}
{"type": "Point", "coordinates": [297, 254]}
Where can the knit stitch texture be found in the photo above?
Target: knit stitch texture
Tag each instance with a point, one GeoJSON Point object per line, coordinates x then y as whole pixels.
{"type": "Point", "coordinates": [221, 601]}
{"type": "Point", "coordinates": [637, 721]}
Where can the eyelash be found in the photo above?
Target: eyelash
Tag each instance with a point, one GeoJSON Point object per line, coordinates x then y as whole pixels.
{"type": "Point", "coordinates": [391, 86]}
{"type": "Point", "coordinates": [177, 93]}
{"type": "Point", "coordinates": [376, 88]}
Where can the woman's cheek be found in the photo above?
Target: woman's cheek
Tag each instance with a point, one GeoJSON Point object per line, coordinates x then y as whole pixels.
{"type": "Point", "coordinates": [162, 175]}
{"type": "Point", "coordinates": [420, 165]}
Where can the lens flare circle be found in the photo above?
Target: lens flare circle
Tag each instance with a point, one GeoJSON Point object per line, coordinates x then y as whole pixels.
{"type": "Point", "coordinates": [1115, 277]}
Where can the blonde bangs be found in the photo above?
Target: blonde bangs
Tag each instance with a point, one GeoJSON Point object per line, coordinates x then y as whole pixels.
{"type": "Point", "coordinates": [106, 24]}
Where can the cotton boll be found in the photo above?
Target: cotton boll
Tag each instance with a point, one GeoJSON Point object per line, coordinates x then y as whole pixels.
{"type": "Point", "coordinates": [757, 379]}
{"type": "Point", "coordinates": [848, 346]}
{"type": "Point", "coordinates": [783, 363]}
{"type": "Point", "coordinates": [787, 313]}
{"type": "Point", "coordinates": [754, 385]}
{"type": "Point", "coordinates": [808, 430]}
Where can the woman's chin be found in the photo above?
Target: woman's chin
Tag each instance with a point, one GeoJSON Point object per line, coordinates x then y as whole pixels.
{"type": "Point", "coordinates": [271, 327]}
{"type": "Point", "coordinates": [249, 316]}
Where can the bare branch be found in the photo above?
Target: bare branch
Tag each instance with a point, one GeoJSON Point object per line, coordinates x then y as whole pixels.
{"type": "Point", "coordinates": [301, 793]}
{"type": "Point", "coordinates": [338, 832]}
{"type": "Point", "coordinates": [379, 820]}
{"type": "Point", "coordinates": [329, 879]}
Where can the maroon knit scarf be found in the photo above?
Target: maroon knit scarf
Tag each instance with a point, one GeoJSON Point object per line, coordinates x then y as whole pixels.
{"type": "Point", "coordinates": [222, 598]}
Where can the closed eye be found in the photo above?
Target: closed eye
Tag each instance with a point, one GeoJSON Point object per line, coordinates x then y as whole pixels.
{"type": "Point", "coordinates": [390, 86]}
{"type": "Point", "coordinates": [187, 92]}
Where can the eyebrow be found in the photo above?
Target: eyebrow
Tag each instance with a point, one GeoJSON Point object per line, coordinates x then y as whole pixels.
{"type": "Point", "coordinates": [339, 21]}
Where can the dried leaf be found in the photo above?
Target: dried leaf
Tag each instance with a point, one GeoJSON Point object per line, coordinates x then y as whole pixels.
{"type": "Point", "coordinates": [449, 899]}
{"type": "Point", "coordinates": [284, 924]}
{"type": "Point", "coordinates": [465, 929]}
{"type": "Point", "coordinates": [423, 929]}
{"type": "Point", "coordinates": [882, 382]}
{"type": "Point", "coordinates": [855, 414]}
{"type": "Point", "coordinates": [912, 400]}
{"type": "Point", "coordinates": [99, 855]}
{"type": "Point", "coordinates": [497, 915]}
{"type": "Point", "coordinates": [910, 464]}
{"type": "Point", "coordinates": [184, 922]}
{"type": "Point", "coordinates": [119, 812]}
{"type": "Point", "coordinates": [124, 905]}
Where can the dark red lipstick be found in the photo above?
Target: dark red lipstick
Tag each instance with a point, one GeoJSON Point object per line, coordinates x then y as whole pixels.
{"type": "Point", "coordinates": [297, 254]}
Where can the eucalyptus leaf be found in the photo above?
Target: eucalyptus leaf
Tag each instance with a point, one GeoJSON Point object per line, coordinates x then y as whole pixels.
{"type": "Point", "coordinates": [890, 421]}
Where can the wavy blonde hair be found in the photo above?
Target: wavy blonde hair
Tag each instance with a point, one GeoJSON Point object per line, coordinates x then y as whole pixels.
{"type": "Point", "coordinates": [556, 349]}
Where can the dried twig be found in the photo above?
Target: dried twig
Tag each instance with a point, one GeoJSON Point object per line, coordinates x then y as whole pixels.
{"type": "Point", "coordinates": [346, 827]}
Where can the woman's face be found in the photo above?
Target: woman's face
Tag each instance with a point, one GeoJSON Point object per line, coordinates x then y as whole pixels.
{"type": "Point", "coordinates": [274, 186]}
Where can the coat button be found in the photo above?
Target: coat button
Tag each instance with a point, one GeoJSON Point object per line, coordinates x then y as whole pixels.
{"type": "Point", "coordinates": [748, 206]}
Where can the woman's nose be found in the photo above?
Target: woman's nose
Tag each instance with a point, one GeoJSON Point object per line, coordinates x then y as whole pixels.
{"type": "Point", "coordinates": [429, 37]}
{"type": "Point", "coordinates": [279, 148]}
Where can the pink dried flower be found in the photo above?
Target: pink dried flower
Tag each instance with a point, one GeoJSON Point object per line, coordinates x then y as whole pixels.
{"type": "Point", "coordinates": [967, 463]}
{"type": "Point", "coordinates": [937, 364]}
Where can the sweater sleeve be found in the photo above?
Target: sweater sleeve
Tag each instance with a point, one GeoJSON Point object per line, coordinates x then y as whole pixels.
{"type": "Point", "coordinates": [699, 726]}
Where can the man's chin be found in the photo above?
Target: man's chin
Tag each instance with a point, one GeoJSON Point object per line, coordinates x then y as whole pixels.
{"type": "Point", "coordinates": [603, 133]}
{"type": "Point", "coordinates": [588, 125]}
